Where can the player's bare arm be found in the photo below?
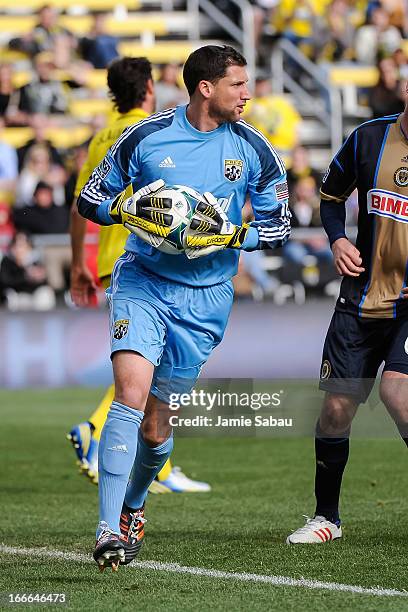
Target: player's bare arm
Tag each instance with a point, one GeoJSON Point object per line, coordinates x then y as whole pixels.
{"type": "Point", "coordinates": [347, 258]}
{"type": "Point", "coordinates": [83, 285]}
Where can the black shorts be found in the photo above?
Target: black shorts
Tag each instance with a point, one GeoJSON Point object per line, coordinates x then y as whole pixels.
{"type": "Point", "coordinates": [354, 350]}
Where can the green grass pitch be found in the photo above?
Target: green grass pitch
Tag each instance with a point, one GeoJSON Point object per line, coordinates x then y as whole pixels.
{"type": "Point", "coordinates": [261, 487]}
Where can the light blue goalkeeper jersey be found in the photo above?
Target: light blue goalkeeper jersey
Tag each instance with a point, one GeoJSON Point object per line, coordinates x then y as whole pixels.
{"type": "Point", "coordinates": [231, 161]}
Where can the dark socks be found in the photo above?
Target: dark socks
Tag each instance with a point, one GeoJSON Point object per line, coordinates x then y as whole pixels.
{"type": "Point", "coordinates": [331, 459]}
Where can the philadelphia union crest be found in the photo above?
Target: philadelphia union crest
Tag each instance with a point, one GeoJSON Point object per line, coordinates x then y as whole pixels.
{"type": "Point", "coordinates": [120, 328]}
{"type": "Point", "coordinates": [233, 169]}
{"type": "Point", "coordinates": [325, 370]}
{"type": "Point", "coordinates": [401, 177]}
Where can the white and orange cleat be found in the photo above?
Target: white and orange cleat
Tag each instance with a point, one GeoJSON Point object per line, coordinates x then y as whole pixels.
{"type": "Point", "coordinates": [317, 530]}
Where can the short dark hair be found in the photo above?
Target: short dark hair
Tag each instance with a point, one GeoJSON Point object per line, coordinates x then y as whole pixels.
{"type": "Point", "coordinates": [42, 185]}
{"type": "Point", "coordinates": [210, 63]}
{"type": "Point", "coordinates": [127, 82]}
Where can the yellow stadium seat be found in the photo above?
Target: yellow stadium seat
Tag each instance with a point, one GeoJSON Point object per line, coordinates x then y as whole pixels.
{"type": "Point", "coordinates": [160, 53]}
{"type": "Point", "coordinates": [91, 5]}
{"type": "Point", "coordinates": [89, 107]}
{"type": "Point", "coordinates": [7, 56]}
{"type": "Point", "coordinates": [360, 76]}
{"type": "Point", "coordinates": [133, 25]}
{"type": "Point", "coordinates": [21, 78]}
{"type": "Point", "coordinates": [65, 138]}
{"type": "Point", "coordinates": [61, 137]}
{"type": "Point", "coordinates": [16, 136]}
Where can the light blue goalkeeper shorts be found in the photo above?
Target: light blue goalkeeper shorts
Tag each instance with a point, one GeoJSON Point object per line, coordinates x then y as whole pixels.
{"type": "Point", "coordinates": [173, 326]}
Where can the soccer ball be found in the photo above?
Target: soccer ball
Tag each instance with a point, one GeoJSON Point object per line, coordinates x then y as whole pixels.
{"type": "Point", "coordinates": [184, 200]}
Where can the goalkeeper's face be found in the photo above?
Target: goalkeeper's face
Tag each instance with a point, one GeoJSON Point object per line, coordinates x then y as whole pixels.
{"type": "Point", "coordinates": [229, 95]}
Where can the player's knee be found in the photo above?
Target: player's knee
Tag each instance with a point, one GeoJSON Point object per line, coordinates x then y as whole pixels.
{"type": "Point", "coordinates": [154, 432]}
{"type": "Point", "coordinates": [337, 414]}
{"type": "Point", "coordinates": [130, 395]}
{"type": "Point", "coordinates": [394, 395]}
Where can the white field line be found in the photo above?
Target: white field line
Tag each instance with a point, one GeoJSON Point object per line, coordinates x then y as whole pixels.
{"type": "Point", "coordinates": [208, 573]}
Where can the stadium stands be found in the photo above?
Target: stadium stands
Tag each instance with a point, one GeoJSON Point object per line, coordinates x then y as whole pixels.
{"type": "Point", "coordinates": [165, 32]}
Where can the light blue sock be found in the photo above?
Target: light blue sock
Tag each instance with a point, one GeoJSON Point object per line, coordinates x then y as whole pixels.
{"type": "Point", "coordinates": [117, 452]}
{"type": "Point", "coordinates": [148, 463]}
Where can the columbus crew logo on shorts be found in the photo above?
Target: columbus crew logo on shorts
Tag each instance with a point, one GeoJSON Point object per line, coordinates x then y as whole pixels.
{"type": "Point", "coordinates": [233, 169]}
{"type": "Point", "coordinates": [120, 328]}
{"type": "Point", "coordinates": [401, 177]}
{"type": "Point", "coordinates": [325, 370]}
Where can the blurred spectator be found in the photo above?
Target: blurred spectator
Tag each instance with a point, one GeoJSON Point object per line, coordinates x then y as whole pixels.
{"type": "Point", "coordinates": [300, 22]}
{"type": "Point", "coordinates": [274, 116]}
{"type": "Point", "coordinates": [260, 8]}
{"type": "Point", "coordinates": [300, 167]}
{"type": "Point", "coordinates": [44, 36]}
{"type": "Point", "coordinates": [38, 167]}
{"type": "Point", "coordinates": [401, 61]}
{"type": "Point", "coordinates": [6, 224]}
{"type": "Point", "coordinates": [377, 39]}
{"type": "Point", "coordinates": [305, 208]}
{"type": "Point", "coordinates": [23, 279]}
{"type": "Point", "coordinates": [388, 96]}
{"type": "Point", "coordinates": [167, 88]}
{"type": "Point", "coordinates": [39, 125]}
{"type": "Point", "coordinates": [337, 36]}
{"type": "Point", "coordinates": [42, 216]}
{"type": "Point", "coordinates": [99, 48]}
{"type": "Point", "coordinates": [397, 10]}
{"type": "Point", "coordinates": [43, 95]}
{"type": "Point", "coordinates": [6, 87]}
{"type": "Point", "coordinates": [8, 165]}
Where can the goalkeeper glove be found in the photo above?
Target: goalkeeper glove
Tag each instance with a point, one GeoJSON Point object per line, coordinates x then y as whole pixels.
{"type": "Point", "coordinates": [210, 230]}
{"type": "Point", "coordinates": [144, 213]}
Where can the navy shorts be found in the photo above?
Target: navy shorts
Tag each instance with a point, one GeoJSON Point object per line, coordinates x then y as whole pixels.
{"type": "Point", "coordinates": [355, 348]}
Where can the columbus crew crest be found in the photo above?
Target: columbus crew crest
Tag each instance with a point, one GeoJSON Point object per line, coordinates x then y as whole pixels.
{"type": "Point", "coordinates": [120, 328]}
{"type": "Point", "coordinates": [401, 177]}
{"type": "Point", "coordinates": [233, 169]}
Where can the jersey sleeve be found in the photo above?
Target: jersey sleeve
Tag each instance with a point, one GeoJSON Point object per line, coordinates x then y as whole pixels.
{"type": "Point", "coordinates": [268, 190]}
{"type": "Point", "coordinates": [337, 184]}
{"type": "Point", "coordinates": [116, 171]}
{"type": "Point", "coordinates": [341, 176]}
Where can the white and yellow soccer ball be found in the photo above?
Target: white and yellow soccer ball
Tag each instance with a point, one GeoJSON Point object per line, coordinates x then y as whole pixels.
{"type": "Point", "coordinates": [184, 200]}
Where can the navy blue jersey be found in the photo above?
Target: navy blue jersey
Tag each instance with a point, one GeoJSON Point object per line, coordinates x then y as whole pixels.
{"type": "Point", "coordinates": [374, 160]}
{"type": "Point", "coordinates": [231, 161]}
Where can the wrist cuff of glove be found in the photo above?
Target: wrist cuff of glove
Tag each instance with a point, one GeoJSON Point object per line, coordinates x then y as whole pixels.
{"type": "Point", "coordinates": [239, 236]}
{"type": "Point", "coordinates": [115, 210]}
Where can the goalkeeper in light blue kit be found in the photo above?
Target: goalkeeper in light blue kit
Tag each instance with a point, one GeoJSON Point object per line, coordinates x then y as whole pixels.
{"type": "Point", "coordinates": [168, 312]}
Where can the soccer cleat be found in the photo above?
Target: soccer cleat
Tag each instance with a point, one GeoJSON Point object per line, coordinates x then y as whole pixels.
{"type": "Point", "coordinates": [156, 487]}
{"type": "Point", "coordinates": [109, 549]}
{"type": "Point", "coordinates": [86, 449]}
{"type": "Point", "coordinates": [317, 530]}
{"type": "Point", "coordinates": [132, 532]}
{"type": "Point", "coordinates": [89, 465]}
{"type": "Point", "coordinates": [80, 438]}
{"type": "Point", "coordinates": [178, 482]}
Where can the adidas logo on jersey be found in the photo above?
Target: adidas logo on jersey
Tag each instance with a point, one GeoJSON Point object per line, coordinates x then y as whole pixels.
{"type": "Point", "coordinates": [122, 448]}
{"type": "Point", "coordinates": [167, 163]}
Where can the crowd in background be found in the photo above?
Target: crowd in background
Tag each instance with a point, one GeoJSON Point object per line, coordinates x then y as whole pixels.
{"type": "Point", "coordinates": [37, 178]}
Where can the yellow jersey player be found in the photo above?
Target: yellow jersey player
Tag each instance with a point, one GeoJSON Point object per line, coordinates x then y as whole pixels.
{"type": "Point", "coordinates": [132, 91]}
